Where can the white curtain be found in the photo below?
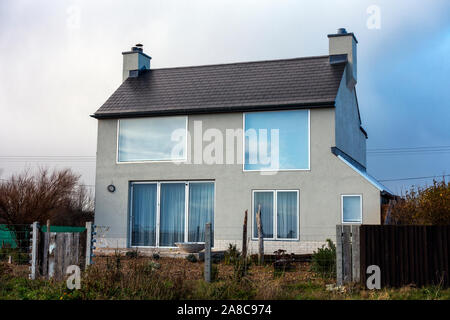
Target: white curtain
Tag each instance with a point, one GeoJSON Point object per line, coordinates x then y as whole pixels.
{"type": "Point", "coordinates": [287, 214]}
{"type": "Point", "coordinates": [265, 199]}
{"type": "Point", "coordinates": [172, 214]}
{"type": "Point", "coordinates": [143, 215]}
{"type": "Point", "coordinates": [201, 209]}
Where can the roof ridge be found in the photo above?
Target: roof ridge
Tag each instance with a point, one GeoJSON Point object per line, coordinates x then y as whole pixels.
{"type": "Point", "coordinates": [243, 62]}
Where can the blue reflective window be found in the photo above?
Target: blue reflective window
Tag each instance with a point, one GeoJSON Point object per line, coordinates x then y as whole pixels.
{"type": "Point", "coordinates": [146, 139]}
{"type": "Point", "coordinates": [277, 140]}
{"type": "Point", "coordinates": [351, 209]}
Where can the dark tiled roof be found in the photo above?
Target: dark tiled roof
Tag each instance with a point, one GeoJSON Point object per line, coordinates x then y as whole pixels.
{"type": "Point", "coordinates": [231, 87]}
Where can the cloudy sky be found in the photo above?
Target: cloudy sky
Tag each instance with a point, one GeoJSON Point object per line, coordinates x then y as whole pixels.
{"type": "Point", "coordinates": [60, 60]}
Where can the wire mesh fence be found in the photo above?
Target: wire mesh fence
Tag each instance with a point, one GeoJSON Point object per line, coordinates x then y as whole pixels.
{"type": "Point", "coordinates": [15, 242]}
{"type": "Point", "coordinates": [284, 256]}
{"type": "Point", "coordinates": [312, 251]}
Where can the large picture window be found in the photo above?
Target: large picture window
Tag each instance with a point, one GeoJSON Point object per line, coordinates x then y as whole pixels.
{"type": "Point", "coordinates": [279, 213]}
{"type": "Point", "coordinates": [351, 208]}
{"type": "Point", "coordinates": [276, 140]}
{"type": "Point", "coordinates": [163, 213]}
{"type": "Point", "coordinates": [152, 139]}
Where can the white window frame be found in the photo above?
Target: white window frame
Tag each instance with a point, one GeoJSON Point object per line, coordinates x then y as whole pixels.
{"type": "Point", "coordinates": [275, 170]}
{"type": "Point", "coordinates": [158, 210]}
{"type": "Point", "coordinates": [184, 160]}
{"type": "Point", "coordinates": [275, 214]}
{"type": "Point", "coordinates": [360, 208]}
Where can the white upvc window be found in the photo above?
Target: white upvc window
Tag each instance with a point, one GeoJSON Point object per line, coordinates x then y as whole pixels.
{"type": "Point", "coordinates": [276, 140]}
{"type": "Point", "coordinates": [162, 213]}
{"type": "Point", "coordinates": [351, 208]}
{"type": "Point", "coordinates": [152, 139]}
{"type": "Point", "coordinates": [279, 214]}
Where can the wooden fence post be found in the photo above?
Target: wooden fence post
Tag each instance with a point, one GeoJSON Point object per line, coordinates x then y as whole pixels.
{"type": "Point", "coordinates": [356, 260]}
{"type": "Point", "coordinates": [46, 236]}
{"type": "Point", "coordinates": [52, 263]}
{"type": "Point", "coordinates": [339, 276]}
{"type": "Point", "coordinates": [260, 237]}
{"type": "Point", "coordinates": [34, 250]}
{"type": "Point", "coordinates": [88, 243]}
{"type": "Point", "coordinates": [208, 252]}
{"type": "Point", "coordinates": [244, 236]}
{"type": "Point", "coordinates": [346, 249]}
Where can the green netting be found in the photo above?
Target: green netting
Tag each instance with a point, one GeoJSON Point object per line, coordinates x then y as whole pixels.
{"type": "Point", "coordinates": [7, 237]}
{"type": "Point", "coordinates": [63, 229]}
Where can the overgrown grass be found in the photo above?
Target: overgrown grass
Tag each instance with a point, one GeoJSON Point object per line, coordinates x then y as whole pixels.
{"type": "Point", "coordinates": [143, 278]}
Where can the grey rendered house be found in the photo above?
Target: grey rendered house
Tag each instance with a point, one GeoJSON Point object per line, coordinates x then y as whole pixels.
{"type": "Point", "coordinates": [179, 147]}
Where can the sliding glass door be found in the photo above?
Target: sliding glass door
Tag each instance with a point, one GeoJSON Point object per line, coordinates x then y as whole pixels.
{"type": "Point", "coordinates": [144, 211]}
{"type": "Point", "coordinates": [201, 209]}
{"type": "Point", "coordinates": [172, 204]}
{"type": "Point", "coordinates": [163, 213]}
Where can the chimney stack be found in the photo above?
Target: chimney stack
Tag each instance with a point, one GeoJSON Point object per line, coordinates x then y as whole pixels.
{"type": "Point", "coordinates": [134, 61]}
{"type": "Point", "coordinates": [343, 42]}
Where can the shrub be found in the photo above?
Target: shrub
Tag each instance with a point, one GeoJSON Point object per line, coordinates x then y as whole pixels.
{"type": "Point", "coordinates": [214, 272]}
{"type": "Point", "coordinates": [324, 260]}
{"type": "Point", "coordinates": [132, 254]}
{"type": "Point", "coordinates": [156, 256]}
{"type": "Point", "coordinates": [283, 262]}
{"type": "Point", "coordinates": [231, 255]}
{"type": "Point", "coordinates": [152, 266]}
{"type": "Point", "coordinates": [37, 196]}
{"type": "Point", "coordinates": [17, 256]}
{"type": "Point", "coordinates": [240, 264]}
{"type": "Point", "coordinates": [191, 258]}
{"type": "Point", "coordinates": [424, 206]}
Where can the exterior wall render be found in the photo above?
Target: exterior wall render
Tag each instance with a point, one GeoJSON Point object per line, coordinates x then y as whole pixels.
{"type": "Point", "coordinates": [320, 187]}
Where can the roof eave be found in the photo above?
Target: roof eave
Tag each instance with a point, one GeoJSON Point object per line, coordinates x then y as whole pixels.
{"type": "Point", "coordinates": [205, 110]}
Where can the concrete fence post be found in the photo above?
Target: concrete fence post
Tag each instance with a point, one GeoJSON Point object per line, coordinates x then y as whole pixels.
{"type": "Point", "coordinates": [339, 275]}
{"type": "Point", "coordinates": [88, 243]}
{"type": "Point", "coordinates": [208, 252]}
{"type": "Point", "coordinates": [356, 260]}
{"type": "Point", "coordinates": [347, 254]}
{"type": "Point", "coordinates": [34, 250]}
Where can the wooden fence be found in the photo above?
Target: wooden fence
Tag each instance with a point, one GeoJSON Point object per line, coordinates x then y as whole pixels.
{"type": "Point", "coordinates": [53, 252]}
{"type": "Point", "coordinates": [58, 251]}
{"type": "Point", "coordinates": [406, 254]}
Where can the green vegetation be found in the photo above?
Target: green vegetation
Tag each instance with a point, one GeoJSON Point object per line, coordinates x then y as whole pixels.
{"type": "Point", "coordinates": [424, 205]}
{"type": "Point", "coordinates": [191, 258]}
{"type": "Point", "coordinates": [324, 260]}
{"type": "Point", "coordinates": [119, 277]}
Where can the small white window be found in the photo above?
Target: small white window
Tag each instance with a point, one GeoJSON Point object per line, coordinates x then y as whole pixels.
{"type": "Point", "coordinates": [351, 208]}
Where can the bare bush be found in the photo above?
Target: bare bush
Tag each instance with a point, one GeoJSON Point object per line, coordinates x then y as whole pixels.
{"type": "Point", "coordinates": [56, 195]}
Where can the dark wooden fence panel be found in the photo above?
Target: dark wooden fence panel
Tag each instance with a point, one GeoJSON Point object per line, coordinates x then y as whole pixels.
{"type": "Point", "coordinates": [406, 254]}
